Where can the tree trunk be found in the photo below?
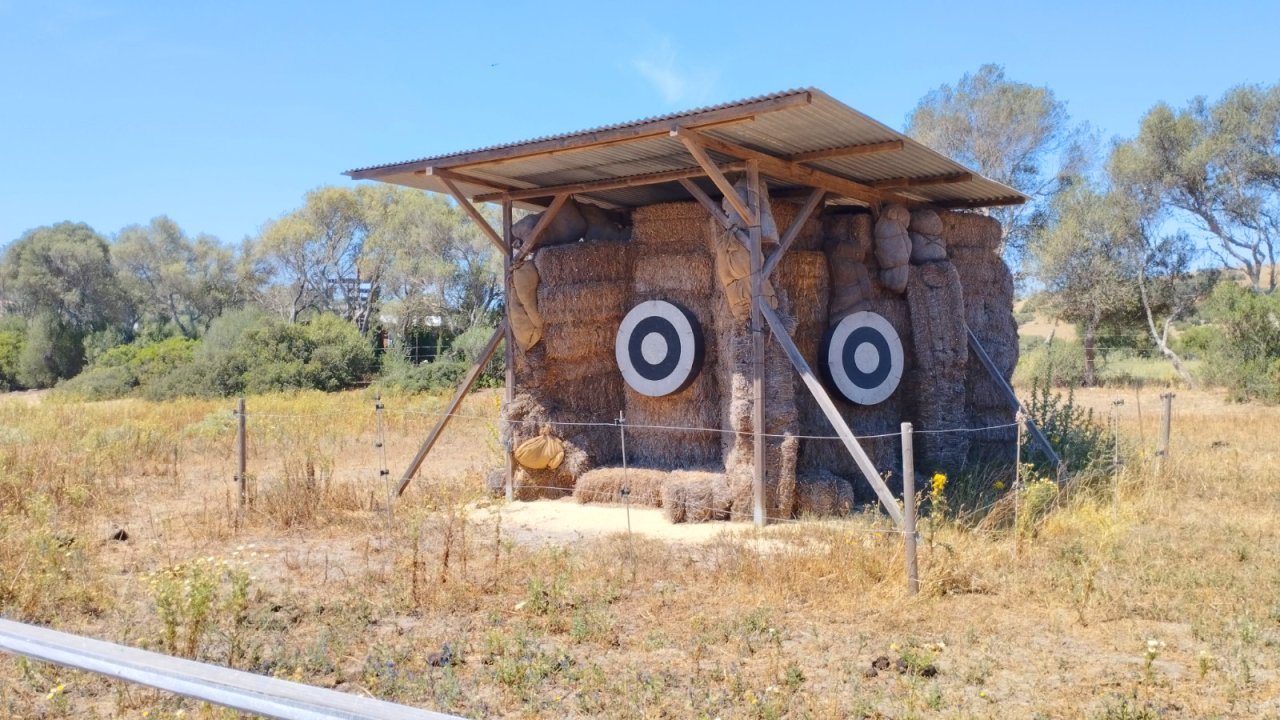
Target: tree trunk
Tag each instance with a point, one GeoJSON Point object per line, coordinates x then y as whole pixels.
{"type": "Point", "coordinates": [1162, 338]}
{"type": "Point", "coordinates": [1090, 341]}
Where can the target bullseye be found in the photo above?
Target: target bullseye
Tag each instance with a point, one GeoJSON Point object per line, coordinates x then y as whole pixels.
{"type": "Point", "coordinates": [862, 358]}
{"type": "Point", "coordinates": [659, 348]}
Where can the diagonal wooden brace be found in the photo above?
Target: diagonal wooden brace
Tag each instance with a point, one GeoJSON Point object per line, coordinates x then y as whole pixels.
{"type": "Point", "coordinates": [833, 415]}
{"type": "Point", "coordinates": [474, 214]}
{"type": "Point", "coordinates": [531, 242]}
{"type": "Point", "coordinates": [693, 142]}
{"type": "Point", "coordinates": [815, 199]}
{"type": "Point", "coordinates": [452, 407]}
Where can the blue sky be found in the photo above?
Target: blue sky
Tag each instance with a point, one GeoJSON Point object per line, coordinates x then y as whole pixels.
{"type": "Point", "coordinates": [222, 115]}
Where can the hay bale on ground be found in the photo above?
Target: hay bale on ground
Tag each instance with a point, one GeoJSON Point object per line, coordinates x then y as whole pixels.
{"type": "Point", "coordinates": [824, 495]}
{"type": "Point", "coordinates": [604, 485]}
{"type": "Point", "coordinates": [695, 496]}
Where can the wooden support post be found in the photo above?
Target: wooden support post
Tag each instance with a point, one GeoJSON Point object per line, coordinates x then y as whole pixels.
{"type": "Point", "coordinates": [757, 346]}
{"type": "Point", "coordinates": [1162, 452]}
{"type": "Point", "coordinates": [909, 508]}
{"type": "Point", "coordinates": [833, 415]}
{"type": "Point", "coordinates": [509, 373]}
{"type": "Point", "coordinates": [788, 237]}
{"type": "Point", "coordinates": [1012, 398]}
{"type": "Point", "coordinates": [531, 242]}
{"type": "Point", "coordinates": [452, 407]}
{"type": "Point", "coordinates": [241, 455]}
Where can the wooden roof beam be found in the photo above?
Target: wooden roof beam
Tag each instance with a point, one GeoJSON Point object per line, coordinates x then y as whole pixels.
{"type": "Point", "coordinates": [602, 185]}
{"type": "Point", "coordinates": [910, 182]}
{"type": "Point", "coordinates": [791, 171]}
{"type": "Point", "coordinates": [848, 151]}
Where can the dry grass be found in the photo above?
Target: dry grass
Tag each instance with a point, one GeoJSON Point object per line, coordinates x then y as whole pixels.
{"type": "Point", "coordinates": [779, 623]}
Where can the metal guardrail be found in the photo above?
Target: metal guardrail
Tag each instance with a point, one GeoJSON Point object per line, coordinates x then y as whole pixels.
{"type": "Point", "coordinates": [235, 689]}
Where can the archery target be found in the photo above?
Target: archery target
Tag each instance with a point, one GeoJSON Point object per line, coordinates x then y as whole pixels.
{"type": "Point", "coordinates": [862, 357]}
{"type": "Point", "coordinates": [659, 348]}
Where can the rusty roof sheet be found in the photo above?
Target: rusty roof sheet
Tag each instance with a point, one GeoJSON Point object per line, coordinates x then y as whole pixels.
{"type": "Point", "coordinates": [779, 124]}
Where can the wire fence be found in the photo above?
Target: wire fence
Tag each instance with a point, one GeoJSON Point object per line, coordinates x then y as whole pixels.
{"type": "Point", "coordinates": [378, 468]}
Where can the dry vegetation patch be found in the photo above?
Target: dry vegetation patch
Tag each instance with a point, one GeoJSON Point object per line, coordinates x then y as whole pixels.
{"type": "Point", "coordinates": [1159, 600]}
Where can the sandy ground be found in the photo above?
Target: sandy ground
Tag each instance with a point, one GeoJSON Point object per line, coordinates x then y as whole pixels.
{"type": "Point", "coordinates": [565, 520]}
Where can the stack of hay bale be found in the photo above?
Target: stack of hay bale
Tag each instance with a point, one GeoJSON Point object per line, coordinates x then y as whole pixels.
{"type": "Point", "coordinates": [942, 348]}
{"type": "Point", "coordinates": [973, 243]}
{"type": "Point", "coordinates": [570, 376]}
{"type": "Point", "coordinates": [673, 262]}
{"type": "Point", "coordinates": [854, 282]}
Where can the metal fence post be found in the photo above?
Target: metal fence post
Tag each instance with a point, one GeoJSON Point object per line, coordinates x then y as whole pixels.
{"type": "Point", "coordinates": [909, 508]}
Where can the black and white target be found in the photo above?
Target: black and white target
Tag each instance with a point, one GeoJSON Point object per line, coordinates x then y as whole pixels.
{"type": "Point", "coordinates": [659, 348]}
{"type": "Point", "coordinates": [862, 358]}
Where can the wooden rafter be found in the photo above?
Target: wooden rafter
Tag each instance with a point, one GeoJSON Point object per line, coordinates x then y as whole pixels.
{"type": "Point", "coordinates": [696, 147]}
{"type": "Point", "coordinates": [790, 171]}
{"type": "Point", "coordinates": [848, 151]}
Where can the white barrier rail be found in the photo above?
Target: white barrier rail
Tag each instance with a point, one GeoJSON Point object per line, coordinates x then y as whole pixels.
{"type": "Point", "coordinates": [235, 689]}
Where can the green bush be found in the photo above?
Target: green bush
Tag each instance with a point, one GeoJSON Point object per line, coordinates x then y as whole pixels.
{"type": "Point", "coordinates": [1076, 436]}
{"type": "Point", "coordinates": [439, 376]}
{"type": "Point", "coordinates": [243, 352]}
{"type": "Point", "coordinates": [11, 342]}
{"type": "Point", "coordinates": [51, 351]}
{"type": "Point", "coordinates": [1244, 354]}
{"type": "Point", "coordinates": [1060, 363]}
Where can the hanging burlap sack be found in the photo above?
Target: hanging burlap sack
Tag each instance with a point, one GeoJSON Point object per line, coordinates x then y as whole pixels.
{"type": "Point", "coordinates": [768, 226]}
{"type": "Point", "coordinates": [893, 246]}
{"type": "Point", "coordinates": [543, 452]}
{"type": "Point", "coordinates": [927, 244]}
{"type": "Point", "coordinates": [526, 321]}
{"type": "Point", "coordinates": [733, 267]}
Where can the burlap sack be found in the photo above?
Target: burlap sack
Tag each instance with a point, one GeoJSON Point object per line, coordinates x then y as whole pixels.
{"type": "Point", "coordinates": [927, 244]}
{"type": "Point", "coordinates": [526, 322]}
{"type": "Point", "coordinates": [733, 268]}
{"type": "Point", "coordinates": [543, 452]}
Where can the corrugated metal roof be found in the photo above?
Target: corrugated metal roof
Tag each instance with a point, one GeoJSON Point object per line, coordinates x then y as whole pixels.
{"type": "Point", "coordinates": [780, 124]}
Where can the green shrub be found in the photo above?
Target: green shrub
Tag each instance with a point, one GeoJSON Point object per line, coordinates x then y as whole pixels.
{"type": "Point", "coordinates": [439, 376]}
{"type": "Point", "coordinates": [11, 342]}
{"type": "Point", "coordinates": [1244, 356]}
{"type": "Point", "coordinates": [1078, 438]}
{"type": "Point", "coordinates": [1060, 363]}
{"type": "Point", "coordinates": [51, 351]}
{"type": "Point", "coordinates": [101, 383]}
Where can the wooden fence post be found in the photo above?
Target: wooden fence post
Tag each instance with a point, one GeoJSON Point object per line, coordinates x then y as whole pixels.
{"type": "Point", "coordinates": [240, 453]}
{"type": "Point", "coordinates": [1165, 422]}
{"type": "Point", "coordinates": [909, 508]}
